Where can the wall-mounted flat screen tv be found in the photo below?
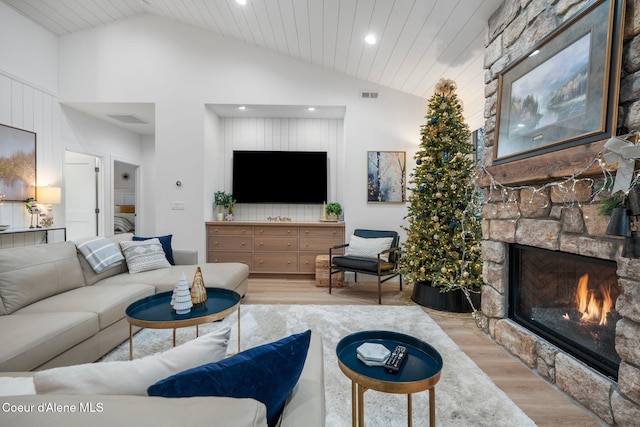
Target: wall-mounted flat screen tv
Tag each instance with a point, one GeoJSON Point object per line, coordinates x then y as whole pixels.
{"type": "Point", "coordinates": [296, 177]}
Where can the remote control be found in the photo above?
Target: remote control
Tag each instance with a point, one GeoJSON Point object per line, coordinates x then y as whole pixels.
{"type": "Point", "coordinates": [394, 362]}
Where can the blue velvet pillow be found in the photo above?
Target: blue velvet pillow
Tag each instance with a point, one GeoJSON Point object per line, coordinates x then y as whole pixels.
{"type": "Point", "coordinates": [266, 373]}
{"type": "Point", "coordinates": [165, 241]}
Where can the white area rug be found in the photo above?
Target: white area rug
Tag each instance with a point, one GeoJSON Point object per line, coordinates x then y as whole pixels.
{"type": "Point", "coordinates": [465, 396]}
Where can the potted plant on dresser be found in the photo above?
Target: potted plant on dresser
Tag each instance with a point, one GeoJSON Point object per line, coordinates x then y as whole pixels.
{"type": "Point", "coordinates": [441, 255]}
{"type": "Point", "coordinates": [333, 211]}
{"type": "Point", "coordinates": [221, 200]}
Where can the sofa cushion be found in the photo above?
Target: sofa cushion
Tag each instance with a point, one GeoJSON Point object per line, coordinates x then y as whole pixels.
{"type": "Point", "coordinates": [165, 241]}
{"type": "Point", "coordinates": [38, 337]}
{"type": "Point", "coordinates": [109, 303]}
{"type": "Point", "coordinates": [90, 276]}
{"type": "Point", "coordinates": [134, 376]}
{"type": "Point", "coordinates": [215, 275]}
{"type": "Point", "coordinates": [266, 373]}
{"type": "Point", "coordinates": [111, 411]}
{"type": "Point", "coordinates": [144, 255]}
{"type": "Point", "coordinates": [29, 274]}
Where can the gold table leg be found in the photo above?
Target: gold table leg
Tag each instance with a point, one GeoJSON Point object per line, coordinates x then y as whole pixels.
{"type": "Point", "coordinates": [174, 337]}
{"type": "Point", "coordinates": [238, 328]}
{"type": "Point", "coordinates": [354, 404]}
{"type": "Point", "coordinates": [130, 342]}
{"type": "Point", "coordinates": [432, 407]}
{"type": "Point", "coordinates": [197, 331]}
{"type": "Point", "coordinates": [361, 390]}
{"type": "Point", "coordinates": [409, 411]}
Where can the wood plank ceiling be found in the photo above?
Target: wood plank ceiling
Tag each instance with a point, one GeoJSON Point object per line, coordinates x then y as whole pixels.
{"type": "Point", "coordinates": [418, 41]}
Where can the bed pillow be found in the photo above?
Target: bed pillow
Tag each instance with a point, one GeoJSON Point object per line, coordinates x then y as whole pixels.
{"type": "Point", "coordinates": [134, 376]}
{"type": "Point", "coordinates": [144, 255]}
{"type": "Point", "coordinates": [267, 373]}
{"type": "Point", "coordinates": [369, 248]}
{"type": "Point", "coordinates": [165, 241]}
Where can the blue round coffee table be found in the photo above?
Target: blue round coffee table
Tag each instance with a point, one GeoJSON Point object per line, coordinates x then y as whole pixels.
{"type": "Point", "coordinates": [420, 371]}
{"type": "Point", "coordinates": [155, 312]}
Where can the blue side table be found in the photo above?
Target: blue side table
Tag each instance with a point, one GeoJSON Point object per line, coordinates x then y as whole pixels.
{"type": "Point", "coordinates": [421, 371]}
{"type": "Point", "coordinates": [155, 312]}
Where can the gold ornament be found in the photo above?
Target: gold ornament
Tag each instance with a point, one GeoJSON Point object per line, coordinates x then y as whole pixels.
{"type": "Point", "coordinates": [443, 269]}
{"type": "Point", "coordinates": [198, 290]}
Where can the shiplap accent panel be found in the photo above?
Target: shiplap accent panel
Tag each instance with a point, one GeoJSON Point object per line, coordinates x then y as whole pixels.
{"type": "Point", "coordinates": [282, 134]}
{"type": "Point", "coordinates": [27, 107]}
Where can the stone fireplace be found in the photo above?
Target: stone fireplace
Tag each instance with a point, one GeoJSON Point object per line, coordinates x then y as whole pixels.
{"type": "Point", "coordinates": [530, 212]}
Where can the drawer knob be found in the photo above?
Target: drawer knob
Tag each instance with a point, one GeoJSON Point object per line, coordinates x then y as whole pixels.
{"type": "Point", "coordinates": [288, 231]}
{"type": "Point", "coordinates": [243, 243]}
{"type": "Point", "coordinates": [288, 244]}
{"type": "Point", "coordinates": [215, 230]}
{"type": "Point", "coordinates": [261, 243]}
{"type": "Point", "coordinates": [215, 243]}
{"type": "Point", "coordinates": [261, 262]}
{"type": "Point", "coordinates": [288, 262]}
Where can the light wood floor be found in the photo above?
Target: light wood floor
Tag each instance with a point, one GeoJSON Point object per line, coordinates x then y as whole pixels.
{"type": "Point", "coordinates": [542, 402]}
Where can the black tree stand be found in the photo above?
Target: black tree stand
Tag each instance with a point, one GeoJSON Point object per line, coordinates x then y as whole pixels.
{"type": "Point", "coordinates": [454, 301]}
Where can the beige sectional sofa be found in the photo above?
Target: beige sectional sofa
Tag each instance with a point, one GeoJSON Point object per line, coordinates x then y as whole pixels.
{"type": "Point", "coordinates": [56, 311]}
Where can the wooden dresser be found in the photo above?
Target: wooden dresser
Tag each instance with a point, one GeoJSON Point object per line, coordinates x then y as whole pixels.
{"type": "Point", "coordinates": [278, 248]}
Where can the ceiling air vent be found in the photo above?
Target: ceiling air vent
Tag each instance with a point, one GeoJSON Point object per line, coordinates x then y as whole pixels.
{"type": "Point", "coordinates": [369, 95]}
{"type": "Point", "coordinates": [127, 118]}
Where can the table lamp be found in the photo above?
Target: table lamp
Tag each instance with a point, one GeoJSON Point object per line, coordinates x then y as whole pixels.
{"type": "Point", "coordinates": [49, 196]}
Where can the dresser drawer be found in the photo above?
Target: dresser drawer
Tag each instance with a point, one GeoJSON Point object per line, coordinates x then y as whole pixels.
{"type": "Point", "coordinates": [319, 244]}
{"type": "Point", "coordinates": [307, 262]}
{"type": "Point", "coordinates": [230, 243]}
{"type": "Point", "coordinates": [275, 262]}
{"type": "Point", "coordinates": [325, 232]}
{"type": "Point", "coordinates": [278, 230]}
{"type": "Point", "coordinates": [226, 256]}
{"type": "Point", "coordinates": [235, 230]}
{"type": "Point", "coordinates": [275, 243]}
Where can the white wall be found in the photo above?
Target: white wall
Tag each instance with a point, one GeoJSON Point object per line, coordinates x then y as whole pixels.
{"type": "Point", "coordinates": [28, 87]}
{"type": "Point", "coordinates": [181, 70]}
{"type": "Point", "coordinates": [281, 134]}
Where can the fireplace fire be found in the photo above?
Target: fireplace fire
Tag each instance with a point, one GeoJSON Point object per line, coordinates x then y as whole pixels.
{"type": "Point", "coordinates": [568, 300]}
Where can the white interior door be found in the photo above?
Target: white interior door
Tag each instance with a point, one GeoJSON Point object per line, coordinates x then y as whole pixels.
{"type": "Point", "coordinates": [81, 201]}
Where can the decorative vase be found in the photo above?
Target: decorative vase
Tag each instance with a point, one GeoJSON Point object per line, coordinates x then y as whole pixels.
{"type": "Point", "coordinates": [181, 298]}
{"type": "Point", "coordinates": [198, 290]}
{"type": "Point", "coordinates": [454, 301]}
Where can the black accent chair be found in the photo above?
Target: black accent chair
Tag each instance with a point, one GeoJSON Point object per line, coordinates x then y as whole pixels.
{"type": "Point", "coordinates": [377, 267]}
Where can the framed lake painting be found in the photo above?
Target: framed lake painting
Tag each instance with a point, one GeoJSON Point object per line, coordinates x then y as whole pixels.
{"type": "Point", "coordinates": [386, 176]}
{"type": "Point", "coordinates": [17, 164]}
{"type": "Point", "coordinates": [564, 91]}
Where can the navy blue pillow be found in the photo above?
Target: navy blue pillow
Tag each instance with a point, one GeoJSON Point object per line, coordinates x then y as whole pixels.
{"type": "Point", "coordinates": [165, 241]}
{"type": "Point", "coordinates": [266, 373]}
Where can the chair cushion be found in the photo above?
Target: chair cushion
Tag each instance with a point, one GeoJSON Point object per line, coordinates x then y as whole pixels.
{"type": "Point", "coordinates": [362, 264]}
{"type": "Point", "coordinates": [369, 247]}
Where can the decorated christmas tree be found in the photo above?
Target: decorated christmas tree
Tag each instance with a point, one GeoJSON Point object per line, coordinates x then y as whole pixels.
{"type": "Point", "coordinates": [444, 230]}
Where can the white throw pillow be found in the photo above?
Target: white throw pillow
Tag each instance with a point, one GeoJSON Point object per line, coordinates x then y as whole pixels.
{"type": "Point", "coordinates": [135, 376]}
{"type": "Point", "coordinates": [144, 255]}
{"type": "Point", "coordinates": [369, 248]}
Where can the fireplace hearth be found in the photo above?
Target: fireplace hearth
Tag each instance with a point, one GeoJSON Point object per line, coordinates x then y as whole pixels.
{"type": "Point", "coordinates": [568, 300]}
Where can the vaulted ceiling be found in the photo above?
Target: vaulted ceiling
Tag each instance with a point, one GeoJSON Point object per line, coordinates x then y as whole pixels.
{"type": "Point", "coordinates": [418, 41]}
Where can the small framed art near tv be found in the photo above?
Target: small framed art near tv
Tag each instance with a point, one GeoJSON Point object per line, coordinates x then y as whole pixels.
{"type": "Point", "coordinates": [17, 163]}
{"type": "Point", "coordinates": [295, 177]}
{"type": "Point", "coordinates": [564, 91]}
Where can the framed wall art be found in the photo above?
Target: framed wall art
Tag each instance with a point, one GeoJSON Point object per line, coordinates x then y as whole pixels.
{"type": "Point", "coordinates": [386, 176]}
{"type": "Point", "coordinates": [564, 91]}
{"type": "Point", "coordinates": [17, 163]}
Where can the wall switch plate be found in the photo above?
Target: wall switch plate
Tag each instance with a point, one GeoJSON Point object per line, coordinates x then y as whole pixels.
{"type": "Point", "coordinates": [177, 206]}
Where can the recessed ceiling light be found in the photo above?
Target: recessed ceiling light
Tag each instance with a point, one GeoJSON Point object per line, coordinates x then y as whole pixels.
{"type": "Point", "coordinates": [242, 2]}
{"type": "Point", "coordinates": [371, 39]}
{"type": "Point", "coordinates": [311, 109]}
{"type": "Point", "coordinates": [242, 107]}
